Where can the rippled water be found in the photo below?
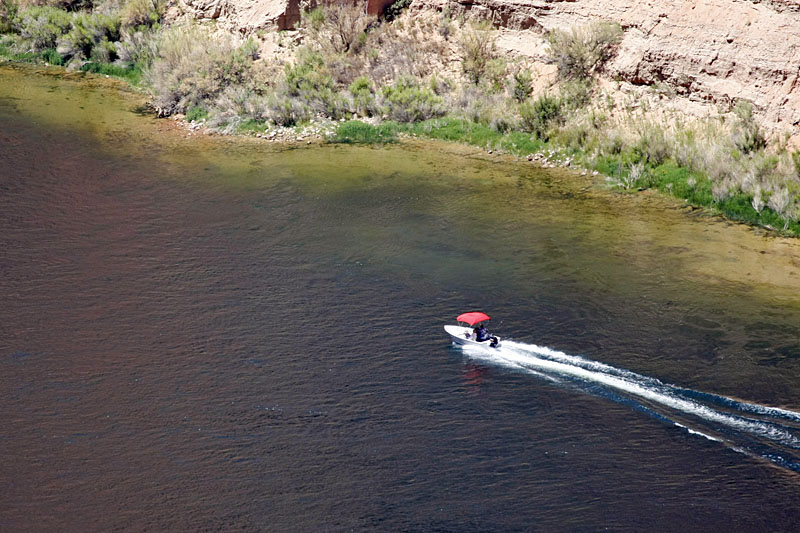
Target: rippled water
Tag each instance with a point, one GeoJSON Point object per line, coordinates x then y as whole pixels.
{"type": "Point", "coordinates": [202, 333]}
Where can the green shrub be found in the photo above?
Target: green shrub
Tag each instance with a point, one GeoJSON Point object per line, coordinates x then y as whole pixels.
{"type": "Point", "coordinates": [285, 110]}
{"type": "Point", "coordinates": [652, 145]}
{"type": "Point", "coordinates": [104, 52]}
{"type": "Point", "coordinates": [360, 85]}
{"type": "Point", "coordinates": [701, 193]}
{"type": "Point", "coordinates": [764, 165]}
{"type": "Point", "coordinates": [354, 131]}
{"type": "Point", "coordinates": [583, 50]}
{"type": "Point", "coordinates": [142, 14]}
{"type": "Point", "coordinates": [92, 35]}
{"type": "Point", "coordinates": [252, 125]}
{"type": "Point", "coordinates": [575, 94]}
{"type": "Point", "coordinates": [138, 47]}
{"type": "Point", "coordinates": [495, 75]}
{"type": "Point", "coordinates": [192, 67]}
{"type": "Point", "coordinates": [407, 101]}
{"type": "Point", "coordinates": [313, 19]}
{"type": "Point", "coordinates": [53, 57]}
{"type": "Point", "coordinates": [538, 117]}
{"type": "Point", "coordinates": [308, 75]}
{"type": "Point", "coordinates": [130, 73]}
{"type": "Point", "coordinates": [796, 164]}
{"type": "Point", "coordinates": [488, 108]}
{"type": "Point", "coordinates": [26, 57]}
{"type": "Point", "coordinates": [520, 143]}
{"type": "Point", "coordinates": [310, 80]}
{"type": "Point", "coordinates": [739, 207]}
{"type": "Point", "coordinates": [338, 27]}
{"type": "Point", "coordinates": [573, 136]}
{"type": "Point", "coordinates": [42, 26]}
{"type": "Point", "coordinates": [5, 47]}
{"type": "Point", "coordinates": [612, 165]}
{"type": "Point", "coordinates": [670, 177]}
{"type": "Point", "coordinates": [8, 15]}
{"type": "Point", "coordinates": [780, 200]}
{"type": "Point", "coordinates": [363, 97]}
{"type": "Point", "coordinates": [454, 129]}
{"type": "Point", "coordinates": [460, 130]}
{"type": "Point", "coordinates": [747, 135]}
{"type": "Point", "coordinates": [238, 108]}
{"type": "Point", "coordinates": [395, 9]}
{"type": "Point", "coordinates": [477, 50]}
{"type": "Point", "coordinates": [626, 174]}
{"type": "Point", "coordinates": [522, 88]}
{"type": "Point", "coordinates": [196, 113]}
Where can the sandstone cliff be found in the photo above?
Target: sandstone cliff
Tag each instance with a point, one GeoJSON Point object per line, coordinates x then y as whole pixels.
{"type": "Point", "coordinates": [248, 15]}
{"type": "Point", "coordinates": [707, 50]}
{"type": "Point", "coordinates": [711, 51]}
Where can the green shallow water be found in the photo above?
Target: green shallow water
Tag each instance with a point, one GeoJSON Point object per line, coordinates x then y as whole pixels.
{"type": "Point", "coordinates": [209, 332]}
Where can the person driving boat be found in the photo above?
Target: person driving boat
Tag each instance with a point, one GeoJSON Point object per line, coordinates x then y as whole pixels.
{"type": "Point", "coordinates": [481, 333]}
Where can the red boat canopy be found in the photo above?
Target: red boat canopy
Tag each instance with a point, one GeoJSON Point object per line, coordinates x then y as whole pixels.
{"type": "Point", "coordinates": [472, 318]}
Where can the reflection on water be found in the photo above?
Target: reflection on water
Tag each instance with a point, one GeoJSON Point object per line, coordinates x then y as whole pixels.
{"type": "Point", "coordinates": [208, 333]}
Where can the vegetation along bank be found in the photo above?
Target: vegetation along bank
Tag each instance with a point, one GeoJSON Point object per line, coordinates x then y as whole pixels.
{"type": "Point", "coordinates": [346, 75]}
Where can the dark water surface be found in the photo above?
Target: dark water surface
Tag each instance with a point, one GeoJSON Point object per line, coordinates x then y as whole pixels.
{"type": "Point", "coordinates": [215, 334]}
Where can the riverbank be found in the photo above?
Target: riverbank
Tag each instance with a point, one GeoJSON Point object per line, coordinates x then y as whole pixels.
{"type": "Point", "coordinates": [430, 76]}
{"type": "Point", "coordinates": [701, 247]}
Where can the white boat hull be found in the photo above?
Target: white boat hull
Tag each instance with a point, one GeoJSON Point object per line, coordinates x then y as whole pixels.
{"type": "Point", "coordinates": [464, 335]}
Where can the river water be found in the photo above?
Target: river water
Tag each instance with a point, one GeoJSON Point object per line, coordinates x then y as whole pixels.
{"type": "Point", "coordinates": [223, 334]}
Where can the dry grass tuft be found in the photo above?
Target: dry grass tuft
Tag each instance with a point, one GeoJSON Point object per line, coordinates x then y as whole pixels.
{"type": "Point", "coordinates": [192, 67]}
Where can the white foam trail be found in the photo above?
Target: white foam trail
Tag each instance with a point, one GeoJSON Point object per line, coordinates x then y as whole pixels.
{"type": "Point", "coordinates": [541, 359]}
{"type": "Point", "coordinates": [700, 433]}
{"type": "Point", "coordinates": [774, 412]}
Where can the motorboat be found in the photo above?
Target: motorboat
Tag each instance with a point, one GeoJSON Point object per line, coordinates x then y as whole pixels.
{"type": "Point", "coordinates": [464, 332]}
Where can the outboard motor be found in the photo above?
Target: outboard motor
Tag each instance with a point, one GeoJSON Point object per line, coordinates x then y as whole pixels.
{"type": "Point", "coordinates": [493, 341]}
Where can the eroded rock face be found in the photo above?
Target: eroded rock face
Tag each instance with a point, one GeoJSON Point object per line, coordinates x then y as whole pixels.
{"type": "Point", "coordinates": [717, 51]}
{"type": "Point", "coordinates": [246, 16]}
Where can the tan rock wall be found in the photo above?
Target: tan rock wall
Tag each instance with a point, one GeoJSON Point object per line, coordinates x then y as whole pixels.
{"type": "Point", "coordinates": [707, 50]}
{"type": "Point", "coordinates": [246, 16]}
{"type": "Point", "coordinates": [715, 51]}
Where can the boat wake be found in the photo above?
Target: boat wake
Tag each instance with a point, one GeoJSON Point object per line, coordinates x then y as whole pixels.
{"type": "Point", "coordinates": [755, 430]}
